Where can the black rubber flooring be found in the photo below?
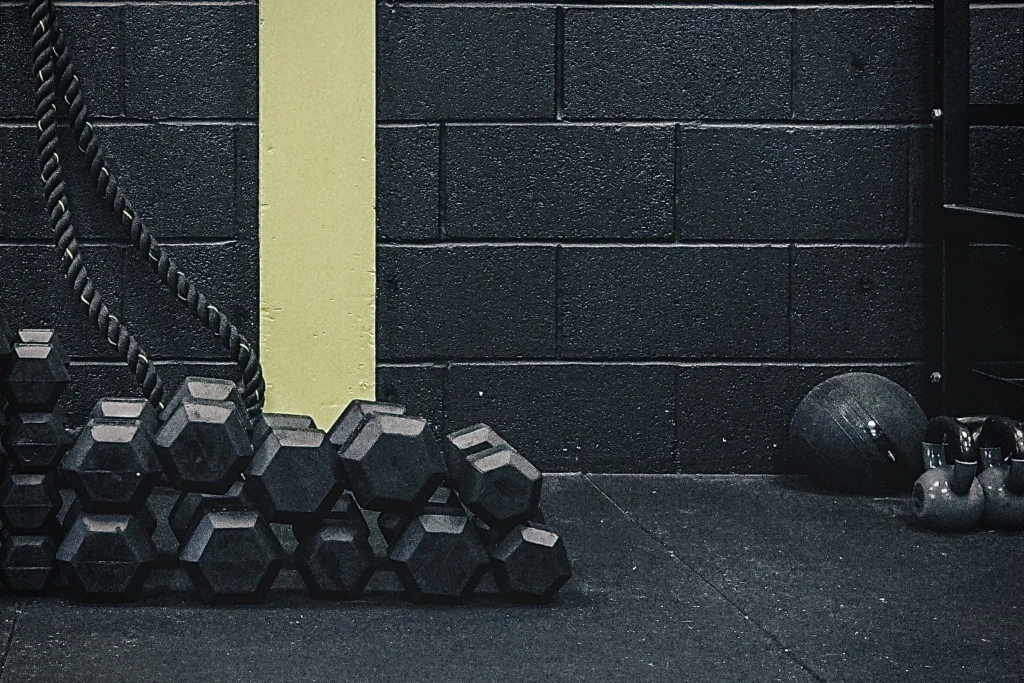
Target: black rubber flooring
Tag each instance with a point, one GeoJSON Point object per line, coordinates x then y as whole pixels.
{"type": "Point", "coordinates": [690, 578]}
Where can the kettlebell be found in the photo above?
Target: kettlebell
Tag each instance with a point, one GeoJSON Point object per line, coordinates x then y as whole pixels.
{"type": "Point", "coordinates": [1001, 454]}
{"type": "Point", "coordinates": [947, 497]}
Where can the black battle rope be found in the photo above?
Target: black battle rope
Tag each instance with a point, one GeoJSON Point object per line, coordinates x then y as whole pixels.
{"type": "Point", "coordinates": [59, 215]}
{"type": "Point", "coordinates": [238, 346]}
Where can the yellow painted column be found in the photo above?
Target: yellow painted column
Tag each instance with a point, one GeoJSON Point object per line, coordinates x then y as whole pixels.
{"type": "Point", "coordinates": [317, 234]}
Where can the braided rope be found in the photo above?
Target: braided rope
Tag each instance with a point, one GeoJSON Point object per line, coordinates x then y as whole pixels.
{"type": "Point", "coordinates": [59, 215]}
{"type": "Point", "coordinates": [238, 346]}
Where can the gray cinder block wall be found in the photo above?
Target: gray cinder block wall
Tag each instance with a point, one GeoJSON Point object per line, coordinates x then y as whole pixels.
{"type": "Point", "coordinates": [632, 237]}
{"type": "Point", "coordinates": [629, 237]}
{"type": "Point", "coordinates": [173, 87]}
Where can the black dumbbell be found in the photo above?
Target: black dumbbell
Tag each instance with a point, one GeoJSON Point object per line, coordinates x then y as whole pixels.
{"type": "Point", "coordinates": [203, 446]}
{"type": "Point", "coordinates": [35, 442]}
{"type": "Point", "coordinates": [45, 337]}
{"type": "Point", "coordinates": [112, 467]}
{"type": "Point", "coordinates": [490, 536]}
{"type": "Point", "coordinates": [494, 481]}
{"type": "Point", "coordinates": [106, 557]}
{"type": "Point", "coordinates": [265, 423]}
{"type": "Point", "coordinates": [232, 556]}
{"type": "Point", "coordinates": [36, 378]}
{"type": "Point", "coordinates": [28, 564]}
{"type": "Point", "coordinates": [205, 389]}
{"type": "Point", "coordinates": [344, 510]}
{"type": "Point", "coordinates": [391, 460]}
{"type": "Point", "coordinates": [189, 508]}
{"type": "Point", "coordinates": [335, 561]}
{"type": "Point", "coordinates": [530, 564]}
{"type": "Point", "coordinates": [295, 476]}
{"type": "Point", "coordinates": [29, 503]}
{"type": "Point", "coordinates": [355, 417]}
{"type": "Point", "coordinates": [117, 408]}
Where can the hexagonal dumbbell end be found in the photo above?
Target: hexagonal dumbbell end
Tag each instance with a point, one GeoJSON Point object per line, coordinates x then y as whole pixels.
{"type": "Point", "coordinates": [203, 447]}
{"type": "Point", "coordinates": [461, 444]}
{"type": "Point", "coordinates": [74, 508]}
{"type": "Point", "coordinates": [530, 564]}
{"type": "Point", "coordinates": [106, 557]}
{"type": "Point", "coordinates": [112, 467]}
{"type": "Point", "coordinates": [265, 423]}
{"type": "Point", "coordinates": [294, 476]}
{"type": "Point", "coordinates": [355, 416]}
{"type": "Point", "coordinates": [205, 389]}
{"type": "Point", "coordinates": [336, 561]}
{"type": "Point", "coordinates": [232, 557]}
{"type": "Point", "coordinates": [44, 336]}
{"type": "Point", "coordinates": [393, 464]}
{"type": "Point", "coordinates": [29, 503]}
{"type": "Point", "coordinates": [35, 442]}
{"type": "Point", "coordinates": [345, 510]}
{"type": "Point", "coordinates": [189, 508]}
{"type": "Point", "coordinates": [28, 564]}
{"type": "Point", "coordinates": [115, 408]}
{"type": "Point", "coordinates": [36, 379]}
{"type": "Point", "coordinates": [501, 487]}
{"type": "Point", "coordinates": [439, 558]}
{"type": "Point", "coordinates": [6, 345]}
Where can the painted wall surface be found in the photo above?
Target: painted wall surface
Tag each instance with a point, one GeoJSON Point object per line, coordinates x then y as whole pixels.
{"type": "Point", "coordinates": [631, 237]}
{"type": "Point", "coordinates": [316, 204]}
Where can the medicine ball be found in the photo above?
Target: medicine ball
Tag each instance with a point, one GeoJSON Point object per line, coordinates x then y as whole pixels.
{"type": "Point", "coordinates": [859, 433]}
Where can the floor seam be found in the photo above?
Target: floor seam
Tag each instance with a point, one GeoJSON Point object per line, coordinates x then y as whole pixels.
{"type": "Point", "coordinates": [10, 639]}
{"type": "Point", "coordinates": [672, 553]}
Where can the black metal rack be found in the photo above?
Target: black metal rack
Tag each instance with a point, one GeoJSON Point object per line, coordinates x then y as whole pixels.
{"type": "Point", "coordinates": [957, 224]}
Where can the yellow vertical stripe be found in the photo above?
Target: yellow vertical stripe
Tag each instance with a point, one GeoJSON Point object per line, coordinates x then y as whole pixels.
{"type": "Point", "coordinates": [316, 204]}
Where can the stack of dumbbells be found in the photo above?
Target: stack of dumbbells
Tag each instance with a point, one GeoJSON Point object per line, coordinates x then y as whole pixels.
{"type": "Point", "coordinates": [34, 371]}
{"type": "Point", "coordinates": [447, 518]}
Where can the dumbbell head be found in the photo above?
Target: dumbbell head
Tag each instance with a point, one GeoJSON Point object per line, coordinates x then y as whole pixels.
{"type": "Point", "coordinates": [189, 508]}
{"type": "Point", "coordinates": [501, 487]}
{"type": "Point", "coordinates": [345, 510]}
{"type": "Point", "coordinates": [28, 564]}
{"type": "Point", "coordinates": [393, 464]}
{"type": "Point", "coordinates": [265, 423]}
{"type": "Point", "coordinates": [205, 389]}
{"type": "Point", "coordinates": [112, 467]}
{"type": "Point", "coordinates": [35, 442]}
{"type": "Point", "coordinates": [461, 444]}
{"type": "Point", "coordinates": [29, 503]}
{"type": "Point", "coordinates": [443, 501]}
{"type": "Point", "coordinates": [74, 508]}
{"type": "Point", "coordinates": [115, 408]}
{"type": "Point", "coordinates": [44, 336]}
{"type": "Point", "coordinates": [439, 558]}
{"type": "Point", "coordinates": [36, 379]}
{"type": "Point", "coordinates": [354, 417]}
{"type": "Point", "coordinates": [494, 481]}
{"type": "Point", "coordinates": [203, 446]}
{"type": "Point", "coordinates": [232, 557]}
{"type": "Point", "coordinates": [294, 476]}
{"type": "Point", "coordinates": [530, 564]}
{"type": "Point", "coordinates": [335, 561]}
{"type": "Point", "coordinates": [106, 557]}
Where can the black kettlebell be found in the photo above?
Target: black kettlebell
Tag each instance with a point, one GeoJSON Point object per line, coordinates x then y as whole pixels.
{"type": "Point", "coordinates": [948, 497]}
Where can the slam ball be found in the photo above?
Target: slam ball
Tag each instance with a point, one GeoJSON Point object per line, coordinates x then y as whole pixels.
{"type": "Point", "coordinates": [859, 433]}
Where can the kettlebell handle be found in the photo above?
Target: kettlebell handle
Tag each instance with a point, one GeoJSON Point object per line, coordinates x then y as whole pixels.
{"type": "Point", "coordinates": [955, 436]}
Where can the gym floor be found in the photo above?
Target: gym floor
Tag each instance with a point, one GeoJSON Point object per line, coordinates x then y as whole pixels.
{"type": "Point", "coordinates": [677, 578]}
